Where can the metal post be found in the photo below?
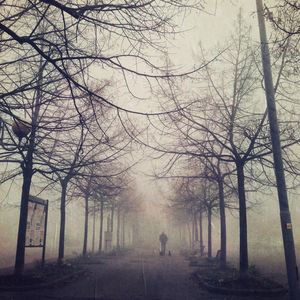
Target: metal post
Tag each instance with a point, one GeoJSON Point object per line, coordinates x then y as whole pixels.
{"type": "Point", "coordinates": [45, 233]}
{"type": "Point", "coordinates": [286, 223]}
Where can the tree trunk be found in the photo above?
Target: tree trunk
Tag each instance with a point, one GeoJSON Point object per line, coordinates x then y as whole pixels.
{"type": "Point", "coordinates": [112, 218]}
{"type": "Point", "coordinates": [209, 247]}
{"type": "Point", "coordinates": [132, 235]}
{"type": "Point", "coordinates": [94, 229]}
{"type": "Point", "coordinates": [243, 219]}
{"type": "Point", "coordinates": [101, 226]}
{"type": "Point", "coordinates": [27, 177]}
{"type": "Point", "coordinates": [180, 235]}
{"type": "Point", "coordinates": [107, 245]}
{"type": "Point", "coordinates": [201, 233]}
{"type": "Point", "coordinates": [112, 224]}
{"type": "Point", "coordinates": [20, 253]}
{"type": "Point", "coordinates": [193, 231]}
{"type": "Point", "coordinates": [223, 239]}
{"type": "Point", "coordinates": [123, 231]}
{"type": "Point", "coordinates": [118, 227]}
{"type": "Point", "coordinates": [189, 233]}
{"type": "Point", "coordinates": [86, 225]}
{"type": "Point", "coordinates": [196, 228]}
{"type": "Point", "coordinates": [135, 234]}
{"type": "Point", "coordinates": [61, 247]}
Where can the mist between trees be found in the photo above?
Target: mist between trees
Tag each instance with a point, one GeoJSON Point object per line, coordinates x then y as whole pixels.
{"type": "Point", "coordinates": [72, 121]}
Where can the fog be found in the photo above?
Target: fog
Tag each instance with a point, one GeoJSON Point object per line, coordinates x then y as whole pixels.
{"type": "Point", "coordinates": [264, 233]}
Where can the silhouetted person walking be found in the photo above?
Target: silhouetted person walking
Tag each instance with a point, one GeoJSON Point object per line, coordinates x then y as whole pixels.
{"type": "Point", "coordinates": [163, 241]}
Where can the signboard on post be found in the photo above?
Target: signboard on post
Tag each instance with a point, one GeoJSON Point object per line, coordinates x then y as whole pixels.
{"type": "Point", "coordinates": [37, 224]}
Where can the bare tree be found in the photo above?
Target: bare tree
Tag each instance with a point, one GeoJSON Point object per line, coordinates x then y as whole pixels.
{"type": "Point", "coordinates": [74, 38]}
{"type": "Point", "coordinates": [223, 125]}
{"type": "Point", "coordinates": [73, 156]}
{"type": "Point", "coordinates": [284, 16]}
{"type": "Point", "coordinates": [98, 180]}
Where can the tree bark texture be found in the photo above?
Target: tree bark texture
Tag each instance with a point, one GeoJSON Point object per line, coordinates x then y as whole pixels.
{"type": "Point", "coordinates": [101, 227]}
{"type": "Point", "coordinates": [189, 234]}
{"type": "Point", "coordinates": [242, 219]}
{"type": "Point", "coordinates": [27, 170]}
{"type": "Point", "coordinates": [112, 218]}
{"type": "Point", "coordinates": [86, 225]}
{"type": "Point", "coordinates": [61, 246]}
{"type": "Point", "coordinates": [209, 231]}
{"type": "Point", "coordinates": [223, 238]}
{"type": "Point", "coordinates": [20, 253]}
{"type": "Point", "coordinates": [94, 227]}
{"type": "Point", "coordinates": [123, 230]}
{"type": "Point", "coordinates": [118, 227]}
{"type": "Point", "coordinates": [193, 231]}
{"type": "Point", "coordinates": [196, 228]}
{"type": "Point", "coordinates": [201, 233]}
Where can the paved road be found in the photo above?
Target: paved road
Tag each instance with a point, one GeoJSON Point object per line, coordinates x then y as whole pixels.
{"type": "Point", "coordinates": [138, 277]}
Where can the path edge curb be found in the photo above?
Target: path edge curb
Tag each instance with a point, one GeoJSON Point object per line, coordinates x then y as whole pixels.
{"type": "Point", "coordinates": [248, 292]}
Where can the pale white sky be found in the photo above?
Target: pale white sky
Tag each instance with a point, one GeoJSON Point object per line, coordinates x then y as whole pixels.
{"type": "Point", "coordinates": [209, 29]}
{"type": "Point", "coordinates": [212, 29]}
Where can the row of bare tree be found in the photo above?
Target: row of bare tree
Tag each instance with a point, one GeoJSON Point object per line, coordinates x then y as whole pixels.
{"type": "Point", "coordinates": [63, 74]}
{"type": "Point", "coordinates": [220, 136]}
{"type": "Point", "coordinates": [119, 204]}
{"type": "Point", "coordinates": [64, 66]}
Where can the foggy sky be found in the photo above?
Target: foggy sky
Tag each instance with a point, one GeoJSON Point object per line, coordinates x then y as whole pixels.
{"type": "Point", "coordinates": [209, 29]}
